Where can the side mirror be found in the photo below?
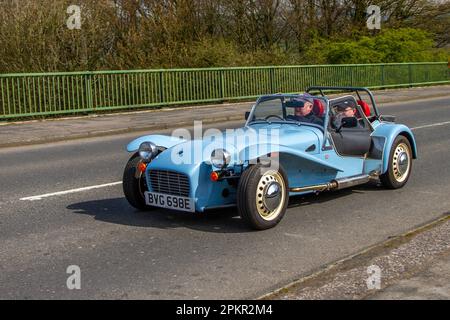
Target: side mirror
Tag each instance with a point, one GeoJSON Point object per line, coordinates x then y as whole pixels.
{"type": "Point", "coordinates": [387, 118]}
{"type": "Point", "coordinates": [247, 115]}
{"type": "Point", "coordinates": [348, 122]}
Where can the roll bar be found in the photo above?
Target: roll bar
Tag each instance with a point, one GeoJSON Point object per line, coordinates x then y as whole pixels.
{"type": "Point", "coordinates": [357, 90]}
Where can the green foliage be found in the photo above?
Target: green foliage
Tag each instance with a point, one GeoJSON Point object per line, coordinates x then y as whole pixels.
{"type": "Point", "coordinates": [213, 33]}
{"type": "Point", "coordinates": [211, 52]}
{"type": "Point", "coordinates": [400, 45]}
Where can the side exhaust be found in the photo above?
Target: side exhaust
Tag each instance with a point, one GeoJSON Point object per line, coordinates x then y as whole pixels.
{"type": "Point", "coordinates": [337, 184]}
{"type": "Point", "coordinates": [352, 181]}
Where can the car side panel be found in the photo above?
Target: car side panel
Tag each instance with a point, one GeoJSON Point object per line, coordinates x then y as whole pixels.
{"type": "Point", "coordinates": [256, 151]}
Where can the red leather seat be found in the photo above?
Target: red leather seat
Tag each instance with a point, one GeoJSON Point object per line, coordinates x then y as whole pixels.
{"type": "Point", "coordinates": [365, 106]}
{"type": "Point", "coordinates": [318, 108]}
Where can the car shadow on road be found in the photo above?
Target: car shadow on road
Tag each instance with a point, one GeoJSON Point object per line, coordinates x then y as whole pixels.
{"type": "Point", "coordinates": [118, 211]}
{"type": "Point", "coordinates": [329, 196]}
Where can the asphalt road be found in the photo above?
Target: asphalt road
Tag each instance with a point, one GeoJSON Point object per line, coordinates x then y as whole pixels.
{"type": "Point", "coordinates": [123, 253]}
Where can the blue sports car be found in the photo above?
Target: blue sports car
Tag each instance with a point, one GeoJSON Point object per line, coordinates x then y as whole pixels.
{"type": "Point", "coordinates": [291, 144]}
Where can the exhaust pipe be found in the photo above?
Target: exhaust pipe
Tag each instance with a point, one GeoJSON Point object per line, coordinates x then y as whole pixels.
{"type": "Point", "coordinates": [319, 187]}
{"type": "Point", "coordinates": [351, 181]}
{"type": "Point", "coordinates": [337, 184]}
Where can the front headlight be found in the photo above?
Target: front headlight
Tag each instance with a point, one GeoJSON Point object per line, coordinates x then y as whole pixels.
{"type": "Point", "coordinates": [147, 151]}
{"type": "Point", "coordinates": [220, 158]}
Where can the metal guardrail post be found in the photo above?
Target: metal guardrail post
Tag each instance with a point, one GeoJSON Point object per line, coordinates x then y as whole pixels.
{"type": "Point", "coordinates": [352, 81]}
{"type": "Point", "coordinates": [89, 96]}
{"type": "Point", "coordinates": [222, 84]}
{"type": "Point", "coordinates": [272, 80]}
{"type": "Point", "coordinates": [410, 75]}
{"type": "Point", "coordinates": [161, 86]}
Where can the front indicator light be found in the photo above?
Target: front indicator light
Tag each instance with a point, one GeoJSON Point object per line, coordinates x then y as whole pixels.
{"type": "Point", "coordinates": [214, 176]}
{"type": "Point", "coordinates": [142, 167]}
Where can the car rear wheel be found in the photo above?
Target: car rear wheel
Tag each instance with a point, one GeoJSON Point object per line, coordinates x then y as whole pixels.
{"type": "Point", "coordinates": [263, 196]}
{"type": "Point", "coordinates": [400, 164]}
{"type": "Point", "coordinates": [134, 184]}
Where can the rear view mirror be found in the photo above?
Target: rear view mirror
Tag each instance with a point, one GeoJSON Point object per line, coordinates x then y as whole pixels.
{"type": "Point", "coordinates": [247, 115]}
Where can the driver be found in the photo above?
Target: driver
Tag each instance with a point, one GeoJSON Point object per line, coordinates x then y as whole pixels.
{"type": "Point", "coordinates": [303, 112]}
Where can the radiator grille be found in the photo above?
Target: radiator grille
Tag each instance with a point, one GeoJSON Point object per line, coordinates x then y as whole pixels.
{"type": "Point", "coordinates": [169, 182]}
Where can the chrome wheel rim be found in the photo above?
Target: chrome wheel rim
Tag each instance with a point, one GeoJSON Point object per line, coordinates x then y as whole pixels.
{"type": "Point", "coordinates": [270, 195]}
{"type": "Point", "coordinates": [401, 162]}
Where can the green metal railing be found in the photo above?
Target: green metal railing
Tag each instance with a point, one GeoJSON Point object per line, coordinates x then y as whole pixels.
{"type": "Point", "coordinates": [37, 94]}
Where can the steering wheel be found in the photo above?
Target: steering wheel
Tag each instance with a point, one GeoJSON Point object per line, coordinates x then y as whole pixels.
{"type": "Point", "coordinates": [273, 116]}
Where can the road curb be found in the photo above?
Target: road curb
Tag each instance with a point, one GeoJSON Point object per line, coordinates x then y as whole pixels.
{"type": "Point", "coordinates": [360, 258]}
{"type": "Point", "coordinates": [408, 99]}
{"type": "Point", "coordinates": [94, 134]}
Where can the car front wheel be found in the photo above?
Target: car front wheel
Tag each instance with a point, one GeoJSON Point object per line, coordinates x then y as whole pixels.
{"type": "Point", "coordinates": [134, 184]}
{"type": "Point", "coordinates": [263, 196]}
{"type": "Point", "coordinates": [400, 164]}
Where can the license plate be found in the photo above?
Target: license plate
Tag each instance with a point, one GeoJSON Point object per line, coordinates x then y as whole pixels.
{"type": "Point", "coordinates": [169, 202]}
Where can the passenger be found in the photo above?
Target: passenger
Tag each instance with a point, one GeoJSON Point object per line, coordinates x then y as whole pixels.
{"type": "Point", "coordinates": [303, 112]}
{"type": "Point", "coordinates": [346, 110]}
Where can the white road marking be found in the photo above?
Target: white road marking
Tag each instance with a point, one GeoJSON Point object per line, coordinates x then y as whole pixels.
{"type": "Point", "coordinates": [48, 195]}
{"type": "Point", "coordinates": [432, 125]}
{"type": "Point", "coordinates": [42, 196]}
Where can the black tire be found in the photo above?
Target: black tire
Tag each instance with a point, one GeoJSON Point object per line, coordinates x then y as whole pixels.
{"type": "Point", "coordinates": [134, 185]}
{"type": "Point", "coordinates": [394, 178]}
{"type": "Point", "coordinates": [251, 182]}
